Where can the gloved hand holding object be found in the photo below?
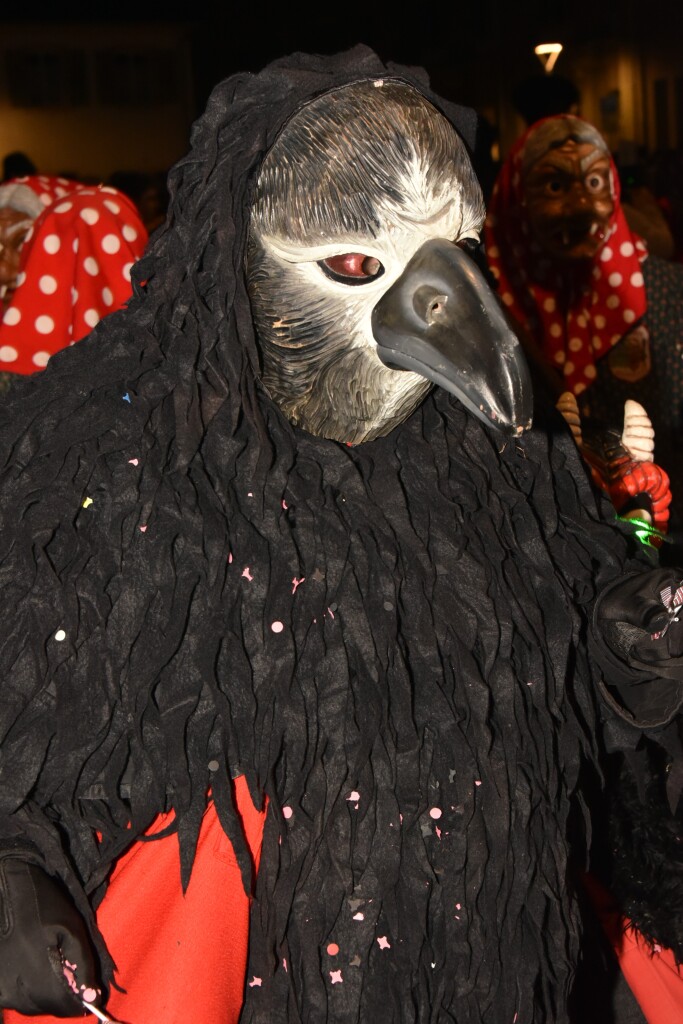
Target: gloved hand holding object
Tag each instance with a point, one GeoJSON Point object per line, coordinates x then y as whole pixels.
{"type": "Point", "coordinates": [47, 962]}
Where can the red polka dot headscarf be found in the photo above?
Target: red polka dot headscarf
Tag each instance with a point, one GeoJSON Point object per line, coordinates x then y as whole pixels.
{"type": "Point", "coordinates": [75, 268]}
{"type": "Point", "coordinates": [574, 317]}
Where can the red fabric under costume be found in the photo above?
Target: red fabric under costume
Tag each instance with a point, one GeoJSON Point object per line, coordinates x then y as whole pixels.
{"type": "Point", "coordinates": [181, 958]}
{"type": "Point", "coordinates": [75, 268]}
{"type": "Point", "coordinates": [652, 975]}
{"type": "Point", "coordinates": [575, 318]}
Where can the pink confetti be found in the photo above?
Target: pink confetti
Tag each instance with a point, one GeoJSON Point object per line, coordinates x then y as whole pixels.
{"type": "Point", "coordinates": [277, 626]}
{"type": "Point", "coordinates": [287, 812]}
{"type": "Point", "coordinates": [246, 572]}
{"type": "Point", "coordinates": [89, 994]}
{"type": "Point", "coordinates": [333, 949]}
{"type": "Point", "coordinates": [143, 529]}
{"type": "Point", "coordinates": [336, 977]}
{"type": "Point", "coordinates": [458, 906]}
{"type": "Point", "coordinates": [383, 942]}
{"type": "Point", "coordinates": [435, 812]}
{"type": "Point", "coordinates": [514, 1019]}
{"type": "Point", "coordinates": [359, 916]}
{"type": "Point", "coordinates": [438, 831]}
{"type": "Point", "coordinates": [477, 782]}
{"type": "Point", "coordinates": [131, 462]}
{"type": "Point", "coordinates": [331, 613]}
{"type": "Point", "coordinates": [284, 964]}
{"type": "Point", "coordinates": [229, 557]}
{"type": "Point", "coordinates": [250, 494]}
{"type": "Point", "coordinates": [353, 796]}
{"type": "Point", "coordinates": [297, 583]}
{"type": "Point", "coordinates": [255, 983]}
{"type": "Point", "coordinates": [284, 504]}
{"type": "Point", "coordinates": [657, 948]}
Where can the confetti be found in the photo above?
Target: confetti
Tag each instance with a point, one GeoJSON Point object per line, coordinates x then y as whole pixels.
{"type": "Point", "coordinates": [333, 949]}
{"type": "Point", "coordinates": [359, 916]}
{"type": "Point", "coordinates": [143, 529]}
{"type": "Point", "coordinates": [297, 583]}
{"type": "Point", "coordinates": [383, 942]}
{"type": "Point", "coordinates": [60, 635]}
{"type": "Point", "coordinates": [126, 397]}
{"type": "Point", "coordinates": [246, 572]}
{"type": "Point", "coordinates": [255, 983]}
{"type": "Point", "coordinates": [133, 462]}
{"type": "Point", "coordinates": [353, 795]}
{"type": "Point", "coordinates": [336, 977]}
{"type": "Point", "coordinates": [277, 626]}
{"type": "Point", "coordinates": [287, 812]}
{"type": "Point", "coordinates": [435, 812]}
{"type": "Point", "coordinates": [87, 503]}
{"type": "Point", "coordinates": [477, 782]}
{"type": "Point", "coordinates": [284, 504]}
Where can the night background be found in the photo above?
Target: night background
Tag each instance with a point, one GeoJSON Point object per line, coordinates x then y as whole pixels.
{"type": "Point", "coordinates": [114, 87]}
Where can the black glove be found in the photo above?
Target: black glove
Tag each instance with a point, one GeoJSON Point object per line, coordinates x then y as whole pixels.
{"type": "Point", "coordinates": [45, 950]}
{"type": "Point", "coordinates": [638, 642]}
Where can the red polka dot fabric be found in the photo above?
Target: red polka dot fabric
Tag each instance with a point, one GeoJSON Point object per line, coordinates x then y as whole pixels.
{"type": "Point", "coordinates": [575, 322]}
{"type": "Point", "coordinates": [75, 269]}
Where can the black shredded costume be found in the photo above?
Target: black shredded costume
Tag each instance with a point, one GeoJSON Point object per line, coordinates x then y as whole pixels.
{"type": "Point", "coordinates": [433, 666]}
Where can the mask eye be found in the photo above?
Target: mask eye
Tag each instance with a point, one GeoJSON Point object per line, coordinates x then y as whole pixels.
{"type": "Point", "coordinates": [595, 182]}
{"type": "Point", "coordinates": [553, 187]}
{"type": "Point", "coordinates": [352, 268]}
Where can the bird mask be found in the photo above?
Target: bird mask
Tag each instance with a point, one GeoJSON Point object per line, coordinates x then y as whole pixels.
{"type": "Point", "coordinates": [363, 290]}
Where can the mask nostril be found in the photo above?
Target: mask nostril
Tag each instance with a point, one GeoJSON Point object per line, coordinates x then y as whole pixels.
{"type": "Point", "coordinates": [429, 304]}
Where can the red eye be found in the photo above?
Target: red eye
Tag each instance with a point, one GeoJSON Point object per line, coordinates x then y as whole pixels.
{"type": "Point", "coordinates": [352, 268]}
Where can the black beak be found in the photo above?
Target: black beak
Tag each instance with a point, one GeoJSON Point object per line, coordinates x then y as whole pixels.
{"type": "Point", "coordinates": [441, 319]}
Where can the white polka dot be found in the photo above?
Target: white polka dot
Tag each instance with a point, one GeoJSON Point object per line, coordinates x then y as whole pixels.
{"type": "Point", "coordinates": [40, 359]}
{"type": "Point", "coordinates": [45, 325]}
{"type": "Point", "coordinates": [59, 192]}
{"type": "Point", "coordinates": [560, 357]}
{"type": "Point", "coordinates": [629, 316]}
{"type": "Point", "coordinates": [47, 284]}
{"type": "Point", "coordinates": [590, 372]}
{"type": "Point", "coordinates": [129, 232]}
{"type": "Point", "coordinates": [8, 354]}
{"type": "Point", "coordinates": [613, 301]}
{"type": "Point", "coordinates": [74, 296]}
{"type": "Point", "coordinates": [556, 330]}
{"type": "Point", "coordinates": [569, 367]}
{"type": "Point", "coordinates": [29, 235]}
{"type": "Point", "coordinates": [12, 316]}
{"type": "Point", "coordinates": [76, 244]}
{"type": "Point", "coordinates": [626, 249]}
{"type": "Point", "coordinates": [615, 279]}
{"type": "Point", "coordinates": [579, 388]}
{"type": "Point", "coordinates": [60, 635]}
{"type": "Point", "coordinates": [51, 244]}
{"type": "Point", "coordinates": [606, 254]}
{"type": "Point", "coordinates": [107, 297]}
{"type": "Point", "coordinates": [112, 206]}
{"type": "Point", "coordinates": [637, 279]}
{"type": "Point", "coordinates": [64, 207]}
{"type": "Point", "coordinates": [89, 215]}
{"type": "Point", "coordinates": [575, 344]}
{"type": "Point", "coordinates": [20, 279]}
{"type": "Point", "coordinates": [507, 298]}
{"type": "Point", "coordinates": [111, 244]}
{"type": "Point", "coordinates": [91, 266]}
{"type": "Point", "coordinates": [126, 269]}
{"type": "Point", "coordinates": [597, 341]}
{"type": "Point", "coordinates": [107, 188]}
{"type": "Point", "coordinates": [63, 181]}
{"type": "Point", "coordinates": [581, 320]}
{"type": "Point", "coordinates": [91, 317]}
{"type": "Point", "coordinates": [597, 273]}
{"type": "Point", "coordinates": [599, 321]}
{"type": "Point", "coordinates": [45, 198]}
{"type": "Point", "coordinates": [549, 305]}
